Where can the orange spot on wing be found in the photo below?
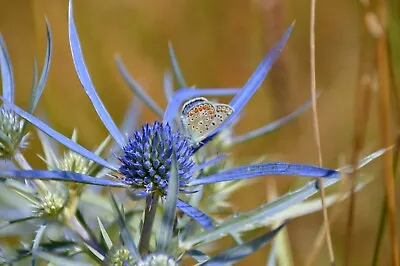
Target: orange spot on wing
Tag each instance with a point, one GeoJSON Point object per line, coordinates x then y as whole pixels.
{"type": "Point", "coordinates": [196, 110]}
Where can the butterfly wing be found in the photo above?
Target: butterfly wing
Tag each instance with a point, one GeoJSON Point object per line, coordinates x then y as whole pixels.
{"type": "Point", "coordinates": [189, 105]}
{"type": "Point", "coordinates": [223, 111]}
{"type": "Point", "coordinates": [200, 117]}
{"type": "Point", "coordinates": [197, 120]}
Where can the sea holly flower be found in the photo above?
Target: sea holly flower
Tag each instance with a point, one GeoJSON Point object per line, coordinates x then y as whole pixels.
{"type": "Point", "coordinates": [147, 154]}
{"type": "Point", "coordinates": [147, 158]}
{"type": "Point", "coordinates": [12, 136]}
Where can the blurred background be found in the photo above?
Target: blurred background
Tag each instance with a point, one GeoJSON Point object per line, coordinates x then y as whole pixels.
{"type": "Point", "coordinates": [218, 44]}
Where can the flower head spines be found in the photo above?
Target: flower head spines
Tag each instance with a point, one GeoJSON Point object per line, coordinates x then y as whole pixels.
{"type": "Point", "coordinates": [147, 157]}
{"type": "Point", "coordinates": [73, 162]}
{"type": "Point", "coordinates": [51, 204]}
{"type": "Point", "coordinates": [12, 136]}
{"type": "Point", "coordinates": [119, 257]}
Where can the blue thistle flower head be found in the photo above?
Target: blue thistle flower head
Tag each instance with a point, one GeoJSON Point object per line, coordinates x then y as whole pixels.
{"type": "Point", "coordinates": [147, 158]}
{"type": "Point", "coordinates": [158, 158]}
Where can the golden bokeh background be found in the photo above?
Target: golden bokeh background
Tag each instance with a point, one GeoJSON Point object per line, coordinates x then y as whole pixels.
{"type": "Point", "coordinates": [218, 44]}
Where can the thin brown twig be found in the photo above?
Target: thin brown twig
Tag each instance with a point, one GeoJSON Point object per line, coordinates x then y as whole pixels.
{"type": "Point", "coordinates": [383, 214]}
{"type": "Point", "coordinates": [393, 20]}
{"type": "Point", "coordinates": [363, 102]}
{"type": "Point", "coordinates": [386, 138]}
{"type": "Point", "coordinates": [363, 110]}
{"type": "Point", "coordinates": [316, 130]}
{"type": "Point", "coordinates": [321, 233]}
{"type": "Point", "coordinates": [361, 114]}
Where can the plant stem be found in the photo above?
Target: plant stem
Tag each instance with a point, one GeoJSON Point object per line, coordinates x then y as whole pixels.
{"type": "Point", "coordinates": [386, 138]}
{"type": "Point", "coordinates": [316, 130]}
{"type": "Point", "coordinates": [361, 114]}
{"type": "Point", "coordinates": [383, 215]}
{"type": "Point", "coordinates": [149, 215]}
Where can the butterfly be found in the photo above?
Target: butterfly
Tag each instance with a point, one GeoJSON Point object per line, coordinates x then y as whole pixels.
{"type": "Point", "coordinates": [200, 117]}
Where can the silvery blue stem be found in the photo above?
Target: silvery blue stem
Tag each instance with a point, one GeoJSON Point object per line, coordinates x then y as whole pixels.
{"type": "Point", "coordinates": [149, 215]}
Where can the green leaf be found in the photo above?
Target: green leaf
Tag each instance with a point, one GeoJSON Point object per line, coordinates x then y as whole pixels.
{"type": "Point", "coordinates": [94, 252]}
{"type": "Point", "coordinates": [104, 234]}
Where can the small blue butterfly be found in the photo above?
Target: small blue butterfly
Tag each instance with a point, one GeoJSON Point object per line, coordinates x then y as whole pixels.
{"type": "Point", "coordinates": [200, 117]}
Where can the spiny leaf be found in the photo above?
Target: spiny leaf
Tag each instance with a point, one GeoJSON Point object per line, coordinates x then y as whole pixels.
{"type": "Point", "coordinates": [276, 168]}
{"type": "Point", "coordinates": [271, 127]}
{"type": "Point", "coordinates": [175, 66]}
{"type": "Point", "coordinates": [61, 261]}
{"type": "Point", "coordinates": [6, 72]}
{"type": "Point", "coordinates": [125, 234]}
{"type": "Point", "coordinates": [36, 243]}
{"type": "Point", "coordinates": [234, 254]}
{"type": "Point", "coordinates": [104, 234]}
{"type": "Point", "coordinates": [61, 176]}
{"type": "Point", "coordinates": [240, 100]}
{"type": "Point", "coordinates": [169, 215]}
{"type": "Point", "coordinates": [38, 89]}
{"type": "Point", "coordinates": [137, 89]}
{"type": "Point", "coordinates": [245, 220]}
{"type": "Point", "coordinates": [86, 81]}
{"type": "Point", "coordinates": [59, 137]}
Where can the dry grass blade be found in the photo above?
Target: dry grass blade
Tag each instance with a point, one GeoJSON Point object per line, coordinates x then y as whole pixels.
{"type": "Point", "coordinates": [361, 112]}
{"type": "Point", "coordinates": [386, 138]}
{"type": "Point", "coordinates": [316, 130]}
{"type": "Point", "coordinates": [363, 100]}
{"type": "Point", "coordinates": [361, 121]}
{"type": "Point", "coordinates": [383, 214]}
